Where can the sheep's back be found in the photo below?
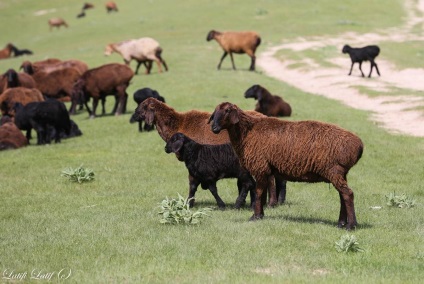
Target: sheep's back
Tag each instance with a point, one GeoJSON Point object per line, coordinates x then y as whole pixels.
{"type": "Point", "coordinates": [239, 42]}
{"type": "Point", "coordinates": [107, 77]}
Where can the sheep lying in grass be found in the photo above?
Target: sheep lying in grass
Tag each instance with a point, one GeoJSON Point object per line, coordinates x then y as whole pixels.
{"type": "Point", "coordinates": [207, 164]}
{"type": "Point", "coordinates": [21, 95]}
{"type": "Point", "coordinates": [268, 104]}
{"type": "Point", "coordinates": [306, 151]}
{"type": "Point", "coordinates": [10, 135]}
{"type": "Point", "coordinates": [144, 50]}
{"type": "Point", "coordinates": [13, 79]}
{"type": "Point", "coordinates": [193, 124]}
{"type": "Point", "coordinates": [236, 42]}
{"type": "Point", "coordinates": [367, 53]}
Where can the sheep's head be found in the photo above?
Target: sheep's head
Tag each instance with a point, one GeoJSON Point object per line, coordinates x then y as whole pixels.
{"type": "Point", "coordinates": [27, 67]}
{"type": "Point", "coordinates": [346, 48]}
{"type": "Point", "coordinates": [108, 50]}
{"type": "Point", "coordinates": [176, 145]}
{"type": "Point", "coordinates": [225, 115]}
{"type": "Point", "coordinates": [211, 35]}
{"type": "Point", "coordinates": [253, 92]}
{"type": "Point", "coordinates": [146, 110]}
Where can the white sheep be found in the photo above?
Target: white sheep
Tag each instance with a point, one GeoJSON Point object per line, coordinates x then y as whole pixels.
{"type": "Point", "coordinates": [143, 50]}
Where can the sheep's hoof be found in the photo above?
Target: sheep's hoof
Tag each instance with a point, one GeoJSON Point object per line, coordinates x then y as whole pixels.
{"type": "Point", "coordinates": [256, 217]}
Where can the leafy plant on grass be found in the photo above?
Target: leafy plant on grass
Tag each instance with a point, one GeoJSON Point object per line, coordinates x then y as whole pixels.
{"type": "Point", "coordinates": [79, 174]}
{"type": "Point", "coordinates": [400, 201]}
{"type": "Point", "coordinates": [177, 211]}
{"type": "Point", "coordinates": [348, 243]}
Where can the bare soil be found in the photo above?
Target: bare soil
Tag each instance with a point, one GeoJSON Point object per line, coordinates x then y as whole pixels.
{"type": "Point", "coordinates": [401, 114]}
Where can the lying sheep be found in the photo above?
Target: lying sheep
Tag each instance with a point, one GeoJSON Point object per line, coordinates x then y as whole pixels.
{"type": "Point", "coordinates": [40, 116]}
{"type": "Point", "coordinates": [236, 42]}
{"type": "Point", "coordinates": [307, 151]}
{"type": "Point", "coordinates": [53, 65]}
{"type": "Point", "coordinates": [10, 135]}
{"type": "Point", "coordinates": [144, 50]}
{"type": "Point", "coordinates": [13, 79]}
{"type": "Point", "coordinates": [193, 124]}
{"type": "Point", "coordinates": [20, 95]}
{"type": "Point", "coordinates": [97, 83]}
{"type": "Point", "coordinates": [6, 52]}
{"type": "Point", "coordinates": [140, 96]}
{"type": "Point", "coordinates": [111, 6]}
{"type": "Point", "coordinates": [268, 104]}
{"type": "Point", "coordinates": [57, 22]}
{"type": "Point", "coordinates": [367, 53]}
{"type": "Point", "coordinates": [19, 52]}
{"type": "Point", "coordinates": [209, 163]}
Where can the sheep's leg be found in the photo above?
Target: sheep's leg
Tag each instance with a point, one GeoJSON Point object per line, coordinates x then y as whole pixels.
{"type": "Point", "coordinates": [260, 199]}
{"type": "Point", "coordinates": [122, 95]}
{"type": "Point", "coordinates": [343, 213]}
{"type": "Point", "coordinates": [272, 193]}
{"type": "Point", "coordinates": [222, 58]}
{"type": "Point", "coordinates": [243, 188]}
{"type": "Point", "coordinates": [159, 65]}
{"type": "Point", "coordinates": [193, 184]}
{"type": "Point", "coordinates": [376, 68]}
{"type": "Point", "coordinates": [232, 61]}
{"type": "Point", "coordinates": [163, 62]}
{"type": "Point", "coordinates": [360, 68]}
{"type": "Point", "coordinates": [148, 65]}
{"type": "Point", "coordinates": [138, 66]}
{"type": "Point", "coordinates": [351, 68]}
{"type": "Point", "coordinates": [252, 64]}
{"type": "Point", "coordinates": [347, 208]}
{"type": "Point", "coordinates": [95, 103]}
{"type": "Point", "coordinates": [214, 191]}
{"type": "Point", "coordinates": [280, 186]}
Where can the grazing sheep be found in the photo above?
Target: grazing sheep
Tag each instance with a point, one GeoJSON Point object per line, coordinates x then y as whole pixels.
{"type": "Point", "coordinates": [140, 96]}
{"type": "Point", "coordinates": [268, 104]}
{"type": "Point", "coordinates": [108, 79]}
{"type": "Point", "coordinates": [367, 53]}
{"type": "Point", "coordinates": [74, 132]}
{"type": "Point", "coordinates": [87, 6]}
{"type": "Point", "coordinates": [10, 135]}
{"type": "Point", "coordinates": [81, 15]}
{"type": "Point", "coordinates": [306, 151]}
{"type": "Point", "coordinates": [57, 22]}
{"type": "Point", "coordinates": [207, 164]}
{"type": "Point", "coordinates": [111, 6]}
{"type": "Point", "coordinates": [57, 84]}
{"type": "Point", "coordinates": [51, 65]}
{"type": "Point", "coordinates": [236, 42]}
{"type": "Point", "coordinates": [194, 125]}
{"type": "Point", "coordinates": [12, 79]}
{"type": "Point", "coordinates": [143, 50]}
{"type": "Point", "coordinates": [19, 52]}
{"type": "Point", "coordinates": [40, 116]}
{"type": "Point", "coordinates": [6, 52]}
{"type": "Point", "coordinates": [21, 95]}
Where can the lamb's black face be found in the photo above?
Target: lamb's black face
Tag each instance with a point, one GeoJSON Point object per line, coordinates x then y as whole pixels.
{"type": "Point", "coordinates": [252, 92]}
{"type": "Point", "coordinates": [221, 117]}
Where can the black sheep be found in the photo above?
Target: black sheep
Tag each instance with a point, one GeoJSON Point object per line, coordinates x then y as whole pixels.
{"type": "Point", "coordinates": [140, 96]}
{"type": "Point", "coordinates": [207, 164]}
{"type": "Point", "coordinates": [74, 132]}
{"type": "Point", "coordinates": [40, 116]}
{"type": "Point", "coordinates": [18, 52]}
{"type": "Point", "coordinates": [367, 53]}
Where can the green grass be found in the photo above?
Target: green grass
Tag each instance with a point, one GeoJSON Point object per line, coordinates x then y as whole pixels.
{"type": "Point", "coordinates": [108, 230]}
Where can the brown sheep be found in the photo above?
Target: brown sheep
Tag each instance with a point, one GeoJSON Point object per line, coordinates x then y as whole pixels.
{"type": "Point", "coordinates": [108, 79]}
{"type": "Point", "coordinates": [236, 42]}
{"type": "Point", "coordinates": [12, 79]}
{"type": "Point", "coordinates": [193, 124]}
{"type": "Point", "coordinates": [10, 135]}
{"type": "Point", "coordinates": [22, 95]}
{"type": "Point", "coordinates": [57, 84]}
{"type": "Point", "coordinates": [51, 65]}
{"type": "Point", "coordinates": [6, 52]}
{"type": "Point", "coordinates": [87, 6]}
{"type": "Point", "coordinates": [304, 151]}
{"type": "Point", "coordinates": [268, 104]}
{"type": "Point", "coordinates": [143, 50]}
{"type": "Point", "coordinates": [111, 6]}
{"type": "Point", "coordinates": [57, 22]}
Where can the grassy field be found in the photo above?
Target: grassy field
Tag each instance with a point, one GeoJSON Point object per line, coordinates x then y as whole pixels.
{"type": "Point", "coordinates": [108, 230]}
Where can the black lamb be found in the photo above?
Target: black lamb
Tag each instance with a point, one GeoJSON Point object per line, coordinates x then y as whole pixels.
{"type": "Point", "coordinates": [140, 96]}
{"type": "Point", "coordinates": [41, 116]}
{"type": "Point", "coordinates": [207, 164]}
{"type": "Point", "coordinates": [19, 52]}
{"type": "Point", "coordinates": [367, 53]}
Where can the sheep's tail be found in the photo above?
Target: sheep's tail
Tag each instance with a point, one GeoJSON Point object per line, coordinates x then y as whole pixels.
{"type": "Point", "coordinates": [158, 54]}
{"type": "Point", "coordinates": [258, 41]}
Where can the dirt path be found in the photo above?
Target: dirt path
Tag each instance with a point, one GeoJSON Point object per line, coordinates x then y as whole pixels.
{"type": "Point", "coordinates": [394, 113]}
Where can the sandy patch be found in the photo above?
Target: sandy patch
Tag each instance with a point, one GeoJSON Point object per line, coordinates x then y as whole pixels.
{"type": "Point", "coordinates": [397, 114]}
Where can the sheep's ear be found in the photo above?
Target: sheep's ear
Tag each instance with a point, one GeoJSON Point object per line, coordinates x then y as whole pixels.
{"type": "Point", "coordinates": [211, 117]}
{"type": "Point", "coordinates": [234, 116]}
{"type": "Point", "coordinates": [177, 145]}
{"type": "Point", "coordinates": [259, 93]}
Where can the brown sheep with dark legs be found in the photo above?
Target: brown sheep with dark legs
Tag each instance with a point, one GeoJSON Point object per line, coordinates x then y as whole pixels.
{"type": "Point", "coordinates": [269, 105]}
{"type": "Point", "coordinates": [13, 79]}
{"type": "Point", "coordinates": [306, 151]}
{"type": "Point", "coordinates": [57, 22]}
{"type": "Point", "coordinates": [20, 95]}
{"type": "Point", "coordinates": [194, 125]}
{"type": "Point", "coordinates": [236, 42]}
{"type": "Point", "coordinates": [97, 83]}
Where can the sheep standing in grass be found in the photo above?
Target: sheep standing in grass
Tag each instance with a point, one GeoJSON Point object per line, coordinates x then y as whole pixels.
{"type": "Point", "coordinates": [207, 164]}
{"type": "Point", "coordinates": [57, 22]}
{"type": "Point", "coordinates": [140, 96]}
{"type": "Point", "coordinates": [111, 7]}
{"type": "Point", "coordinates": [236, 42]}
{"type": "Point", "coordinates": [144, 50]}
{"type": "Point", "coordinates": [268, 104]}
{"type": "Point", "coordinates": [194, 125]}
{"type": "Point", "coordinates": [358, 55]}
{"type": "Point", "coordinates": [306, 151]}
